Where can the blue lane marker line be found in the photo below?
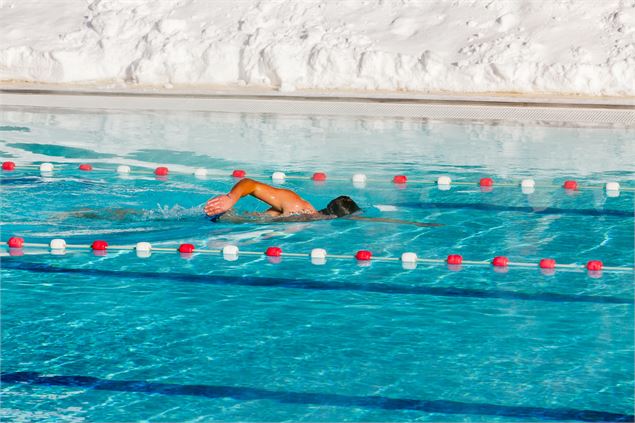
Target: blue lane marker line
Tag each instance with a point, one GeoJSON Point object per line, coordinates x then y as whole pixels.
{"type": "Point", "coordinates": [241, 393]}
{"type": "Point", "coordinates": [309, 284]}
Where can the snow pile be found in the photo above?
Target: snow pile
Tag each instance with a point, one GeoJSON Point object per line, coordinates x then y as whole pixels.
{"type": "Point", "coordinates": [561, 47]}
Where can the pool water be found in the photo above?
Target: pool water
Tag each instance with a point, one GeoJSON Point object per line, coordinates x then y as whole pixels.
{"type": "Point", "coordinates": [164, 338]}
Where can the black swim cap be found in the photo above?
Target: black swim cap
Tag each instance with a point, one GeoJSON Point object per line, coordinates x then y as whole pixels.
{"type": "Point", "coordinates": [341, 206]}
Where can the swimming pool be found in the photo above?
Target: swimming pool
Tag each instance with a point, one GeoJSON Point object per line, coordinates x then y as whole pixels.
{"type": "Point", "coordinates": [116, 337]}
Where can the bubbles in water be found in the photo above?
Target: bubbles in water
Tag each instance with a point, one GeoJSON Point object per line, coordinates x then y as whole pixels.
{"type": "Point", "coordinates": [175, 212]}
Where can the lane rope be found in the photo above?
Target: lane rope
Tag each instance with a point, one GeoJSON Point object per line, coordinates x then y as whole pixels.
{"type": "Point", "coordinates": [444, 183]}
{"type": "Point", "coordinates": [318, 256]}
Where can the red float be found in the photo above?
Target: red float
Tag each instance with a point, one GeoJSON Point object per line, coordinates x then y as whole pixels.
{"type": "Point", "coordinates": [319, 176]}
{"type": "Point", "coordinates": [8, 166]}
{"type": "Point", "coordinates": [85, 166]}
{"type": "Point", "coordinates": [186, 248]}
{"type": "Point", "coordinates": [15, 242]}
{"type": "Point", "coordinates": [500, 261]}
{"type": "Point", "coordinates": [161, 171]}
{"type": "Point", "coordinates": [99, 245]}
{"type": "Point", "coordinates": [363, 255]}
{"type": "Point", "coordinates": [570, 185]}
{"type": "Point", "coordinates": [400, 179]}
{"type": "Point", "coordinates": [594, 265]}
{"type": "Point", "coordinates": [455, 259]}
{"type": "Point", "coordinates": [547, 263]}
{"type": "Point", "coordinates": [239, 173]}
{"type": "Point", "coordinates": [486, 182]}
{"type": "Point", "coordinates": [273, 252]}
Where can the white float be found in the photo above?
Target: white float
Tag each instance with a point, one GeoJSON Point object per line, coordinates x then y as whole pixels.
{"type": "Point", "coordinates": [409, 261]}
{"type": "Point", "coordinates": [527, 186]}
{"type": "Point", "coordinates": [444, 183]}
{"type": "Point", "coordinates": [278, 176]}
{"type": "Point", "coordinates": [528, 183]}
{"type": "Point", "coordinates": [409, 257]}
{"type": "Point", "coordinates": [200, 172]}
{"type": "Point", "coordinates": [318, 256]}
{"type": "Point", "coordinates": [124, 169]}
{"type": "Point", "coordinates": [143, 249]}
{"type": "Point", "coordinates": [359, 177]}
{"type": "Point", "coordinates": [230, 252]}
{"type": "Point", "coordinates": [143, 246]}
{"type": "Point", "coordinates": [46, 167]}
{"type": "Point", "coordinates": [612, 189]}
{"type": "Point", "coordinates": [57, 244]}
{"type": "Point", "coordinates": [359, 180]}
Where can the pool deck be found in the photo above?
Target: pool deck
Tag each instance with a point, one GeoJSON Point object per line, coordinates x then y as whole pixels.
{"type": "Point", "coordinates": [480, 107]}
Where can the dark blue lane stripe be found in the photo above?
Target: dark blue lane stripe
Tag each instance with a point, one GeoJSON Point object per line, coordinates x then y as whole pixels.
{"type": "Point", "coordinates": [522, 209]}
{"type": "Point", "coordinates": [241, 393]}
{"type": "Point", "coordinates": [384, 288]}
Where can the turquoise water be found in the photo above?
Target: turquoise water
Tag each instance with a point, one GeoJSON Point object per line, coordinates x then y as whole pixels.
{"type": "Point", "coordinates": [120, 338]}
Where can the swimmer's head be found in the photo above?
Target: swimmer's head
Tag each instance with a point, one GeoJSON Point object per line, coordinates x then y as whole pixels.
{"type": "Point", "coordinates": [340, 207]}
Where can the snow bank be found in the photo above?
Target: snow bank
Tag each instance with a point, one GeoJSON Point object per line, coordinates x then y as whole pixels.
{"type": "Point", "coordinates": [557, 47]}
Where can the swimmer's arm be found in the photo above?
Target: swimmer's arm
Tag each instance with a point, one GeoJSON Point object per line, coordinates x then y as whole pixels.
{"type": "Point", "coordinates": [273, 196]}
{"type": "Point", "coordinates": [387, 220]}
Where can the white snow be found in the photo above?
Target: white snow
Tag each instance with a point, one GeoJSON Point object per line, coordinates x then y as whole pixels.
{"type": "Point", "coordinates": [460, 46]}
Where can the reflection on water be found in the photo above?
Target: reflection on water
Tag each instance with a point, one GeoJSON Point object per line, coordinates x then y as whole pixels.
{"type": "Point", "coordinates": [226, 141]}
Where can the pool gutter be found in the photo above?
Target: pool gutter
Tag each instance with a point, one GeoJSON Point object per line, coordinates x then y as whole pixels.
{"type": "Point", "coordinates": [490, 107]}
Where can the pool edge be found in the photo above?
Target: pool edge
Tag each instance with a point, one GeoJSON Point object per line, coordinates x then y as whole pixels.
{"type": "Point", "coordinates": [609, 111]}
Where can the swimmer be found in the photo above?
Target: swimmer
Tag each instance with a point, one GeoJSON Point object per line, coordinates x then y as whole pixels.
{"type": "Point", "coordinates": [286, 205]}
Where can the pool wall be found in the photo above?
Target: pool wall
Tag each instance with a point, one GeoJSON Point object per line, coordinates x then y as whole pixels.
{"type": "Point", "coordinates": [613, 111]}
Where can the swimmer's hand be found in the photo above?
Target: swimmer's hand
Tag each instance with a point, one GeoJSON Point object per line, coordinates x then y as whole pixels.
{"type": "Point", "coordinates": [219, 204]}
